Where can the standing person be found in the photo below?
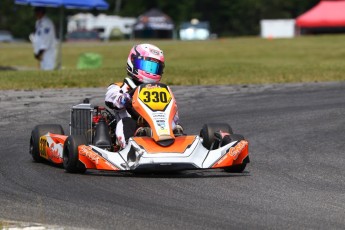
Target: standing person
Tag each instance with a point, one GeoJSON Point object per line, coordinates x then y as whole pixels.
{"type": "Point", "coordinates": [145, 64]}
{"type": "Point", "coordinates": [44, 40]}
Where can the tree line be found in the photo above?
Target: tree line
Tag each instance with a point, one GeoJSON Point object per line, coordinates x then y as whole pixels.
{"type": "Point", "coordinates": [226, 17]}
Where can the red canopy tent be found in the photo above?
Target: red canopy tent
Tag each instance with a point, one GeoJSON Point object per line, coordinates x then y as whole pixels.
{"type": "Point", "coordinates": [327, 13]}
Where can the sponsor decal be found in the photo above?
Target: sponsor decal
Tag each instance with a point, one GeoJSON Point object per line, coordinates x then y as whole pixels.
{"type": "Point", "coordinates": [152, 86]}
{"type": "Point", "coordinates": [155, 52]}
{"type": "Point", "coordinates": [235, 151]}
{"type": "Point", "coordinates": [87, 151]}
{"type": "Point", "coordinates": [55, 150]}
{"type": "Point", "coordinates": [158, 115]}
{"type": "Point", "coordinates": [51, 148]}
{"type": "Point", "coordinates": [43, 147]}
{"type": "Point", "coordinates": [100, 163]}
{"type": "Point", "coordinates": [163, 132]}
{"type": "Point", "coordinates": [160, 119]}
{"type": "Point", "coordinates": [161, 124]}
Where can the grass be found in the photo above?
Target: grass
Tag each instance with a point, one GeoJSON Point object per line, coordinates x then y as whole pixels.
{"type": "Point", "coordinates": [224, 61]}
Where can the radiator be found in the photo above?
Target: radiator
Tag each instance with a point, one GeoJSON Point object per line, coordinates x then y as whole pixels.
{"type": "Point", "coordinates": [81, 121]}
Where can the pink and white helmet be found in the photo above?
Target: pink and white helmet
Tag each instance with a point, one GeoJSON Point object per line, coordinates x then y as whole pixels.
{"type": "Point", "coordinates": [145, 63]}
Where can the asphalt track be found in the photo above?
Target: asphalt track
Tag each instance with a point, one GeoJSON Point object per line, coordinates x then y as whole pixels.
{"type": "Point", "coordinates": [296, 178]}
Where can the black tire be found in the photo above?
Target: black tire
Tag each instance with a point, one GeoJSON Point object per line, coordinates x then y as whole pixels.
{"type": "Point", "coordinates": [71, 161]}
{"type": "Point", "coordinates": [36, 133]}
{"type": "Point", "coordinates": [208, 130]}
{"type": "Point", "coordinates": [235, 168]}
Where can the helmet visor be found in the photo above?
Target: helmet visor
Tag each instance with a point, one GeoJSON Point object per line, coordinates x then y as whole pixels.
{"type": "Point", "coordinates": [149, 65]}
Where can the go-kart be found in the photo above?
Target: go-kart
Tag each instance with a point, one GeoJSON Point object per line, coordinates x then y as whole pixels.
{"type": "Point", "coordinates": [92, 141]}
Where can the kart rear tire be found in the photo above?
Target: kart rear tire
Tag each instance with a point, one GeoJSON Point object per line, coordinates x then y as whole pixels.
{"type": "Point", "coordinates": [71, 161]}
{"type": "Point", "coordinates": [36, 133]}
{"type": "Point", "coordinates": [208, 130]}
{"type": "Point", "coordinates": [235, 168]}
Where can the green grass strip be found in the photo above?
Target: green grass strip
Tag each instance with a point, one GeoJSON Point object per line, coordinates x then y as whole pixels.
{"type": "Point", "coordinates": [243, 60]}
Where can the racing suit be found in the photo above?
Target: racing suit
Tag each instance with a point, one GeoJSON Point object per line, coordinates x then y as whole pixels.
{"type": "Point", "coordinates": [114, 98]}
{"type": "Point", "coordinates": [44, 43]}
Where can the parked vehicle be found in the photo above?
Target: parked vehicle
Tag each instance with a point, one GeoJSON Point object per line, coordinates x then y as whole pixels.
{"type": "Point", "coordinates": [6, 36]}
{"type": "Point", "coordinates": [83, 35]}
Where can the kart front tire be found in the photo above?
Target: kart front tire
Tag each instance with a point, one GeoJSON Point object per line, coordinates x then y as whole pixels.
{"type": "Point", "coordinates": [36, 133]}
{"type": "Point", "coordinates": [235, 168]}
{"type": "Point", "coordinates": [71, 161]}
{"type": "Point", "coordinates": [208, 130]}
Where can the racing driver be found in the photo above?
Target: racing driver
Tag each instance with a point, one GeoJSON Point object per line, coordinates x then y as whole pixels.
{"type": "Point", "coordinates": [145, 64]}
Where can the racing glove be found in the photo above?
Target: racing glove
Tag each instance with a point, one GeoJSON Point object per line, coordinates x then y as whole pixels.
{"type": "Point", "coordinates": [125, 100]}
{"type": "Point", "coordinates": [39, 55]}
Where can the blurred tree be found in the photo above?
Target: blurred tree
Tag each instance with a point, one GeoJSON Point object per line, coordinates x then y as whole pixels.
{"type": "Point", "coordinates": [17, 19]}
{"type": "Point", "coordinates": [227, 18]}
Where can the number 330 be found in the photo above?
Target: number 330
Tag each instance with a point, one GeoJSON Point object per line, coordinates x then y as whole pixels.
{"type": "Point", "coordinates": [155, 97]}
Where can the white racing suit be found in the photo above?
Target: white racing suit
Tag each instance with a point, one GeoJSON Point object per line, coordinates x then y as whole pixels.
{"type": "Point", "coordinates": [127, 126]}
{"type": "Point", "coordinates": [44, 39]}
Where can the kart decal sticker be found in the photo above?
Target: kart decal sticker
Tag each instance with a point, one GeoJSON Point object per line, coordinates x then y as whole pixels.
{"type": "Point", "coordinates": [233, 153]}
{"type": "Point", "coordinates": [54, 152]}
{"type": "Point", "coordinates": [51, 147]}
{"type": "Point", "coordinates": [55, 149]}
{"type": "Point", "coordinates": [43, 147]}
{"type": "Point", "coordinates": [92, 160]}
{"type": "Point", "coordinates": [161, 123]}
{"type": "Point", "coordinates": [153, 51]}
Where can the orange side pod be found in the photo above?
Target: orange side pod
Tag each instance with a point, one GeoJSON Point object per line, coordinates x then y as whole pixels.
{"type": "Point", "coordinates": [92, 160]}
{"type": "Point", "coordinates": [234, 156]}
{"type": "Point", "coordinates": [51, 151]}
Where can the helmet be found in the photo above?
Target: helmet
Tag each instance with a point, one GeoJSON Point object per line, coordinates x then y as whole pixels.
{"type": "Point", "coordinates": [145, 63]}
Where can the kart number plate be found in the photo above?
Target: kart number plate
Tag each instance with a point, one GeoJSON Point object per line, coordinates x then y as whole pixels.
{"type": "Point", "coordinates": [155, 97]}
